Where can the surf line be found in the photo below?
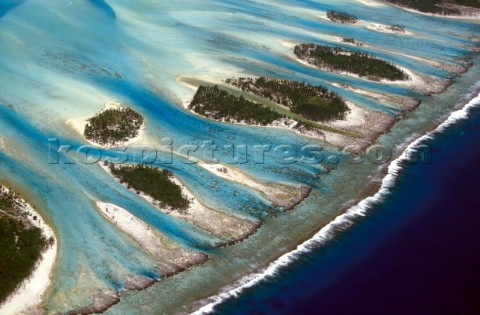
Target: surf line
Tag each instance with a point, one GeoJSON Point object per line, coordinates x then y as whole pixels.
{"type": "Point", "coordinates": [339, 223]}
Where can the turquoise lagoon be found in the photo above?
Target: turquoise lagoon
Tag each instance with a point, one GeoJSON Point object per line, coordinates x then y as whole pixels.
{"type": "Point", "coordinates": [66, 59]}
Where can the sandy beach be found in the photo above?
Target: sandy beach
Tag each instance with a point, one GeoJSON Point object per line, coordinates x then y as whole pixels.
{"type": "Point", "coordinates": [425, 85]}
{"type": "Point", "coordinates": [367, 123]}
{"type": "Point", "coordinates": [224, 226]}
{"type": "Point", "coordinates": [405, 103]}
{"type": "Point", "coordinates": [28, 296]}
{"type": "Point", "coordinates": [468, 13]}
{"type": "Point", "coordinates": [78, 125]}
{"type": "Point", "coordinates": [172, 258]}
{"type": "Point", "coordinates": [279, 195]}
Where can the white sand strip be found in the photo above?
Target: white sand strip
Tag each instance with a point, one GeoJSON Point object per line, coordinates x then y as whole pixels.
{"type": "Point", "coordinates": [171, 257]}
{"type": "Point", "coordinates": [78, 125]}
{"type": "Point", "coordinates": [28, 296]}
{"type": "Point", "coordinates": [280, 195]}
{"type": "Point", "coordinates": [224, 226]}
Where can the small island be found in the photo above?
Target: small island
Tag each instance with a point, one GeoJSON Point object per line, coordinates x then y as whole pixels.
{"type": "Point", "coordinates": [314, 103]}
{"type": "Point", "coordinates": [218, 104]}
{"type": "Point", "coordinates": [156, 183]}
{"type": "Point", "coordinates": [342, 17]}
{"type": "Point", "coordinates": [441, 7]}
{"type": "Point", "coordinates": [337, 59]}
{"type": "Point", "coordinates": [163, 190]}
{"type": "Point", "coordinates": [21, 243]}
{"type": "Point", "coordinates": [114, 125]}
{"type": "Point", "coordinates": [396, 28]}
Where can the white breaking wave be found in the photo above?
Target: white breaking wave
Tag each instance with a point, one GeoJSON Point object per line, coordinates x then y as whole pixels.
{"type": "Point", "coordinates": [341, 222]}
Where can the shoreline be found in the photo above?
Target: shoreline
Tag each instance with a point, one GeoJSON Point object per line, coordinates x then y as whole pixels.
{"type": "Point", "coordinates": [371, 124]}
{"type": "Point", "coordinates": [352, 209]}
{"type": "Point", "coordinates": [424, 85]}
{"type": "Point", "coordinates": [474, 13]}
{"type": "Point", "coordinates": [27, 297]}
{"type": "Point", "coordinates": [214, 222]}
{"type": "Point", "coordinates": [287, 197]}
{"type": "Point", "coordinates": [176, 259]}
{"type": "Point", "coordinates": [405, 103]}
{"type": "Point", "coordinates": [336, 133]}
{"type": "Point", "coordinates": [78, 126]}
{"type": "Point", "coordinates": [172, 258]}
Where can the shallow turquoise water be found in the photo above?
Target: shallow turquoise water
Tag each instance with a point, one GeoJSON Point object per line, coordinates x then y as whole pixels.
{"type": "Point", "coordinates": [64, 60]}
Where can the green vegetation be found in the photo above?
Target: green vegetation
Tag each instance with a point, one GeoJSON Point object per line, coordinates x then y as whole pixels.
{"type": "Point", "coordinates": [436, 6]}
{"type": "Point", "coordinates": [342, 17]}
{"type": "Point", "coordinates": [21, 245]}
{"type": "Point", "coordinates": [281, 110]}
{"type": "Point", "coordinates": [113, 125]}
{"type": "Point", "coordinates": [218, 104]}
{"type": "Point", "coordinates": [338, 59]}
{"type": "Point", "coordinates": [154, 182]}
{"type": "Point", "coordinates": [311, 102]}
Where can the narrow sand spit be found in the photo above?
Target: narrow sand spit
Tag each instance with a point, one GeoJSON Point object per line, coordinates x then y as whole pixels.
{"type": "Point", "coordinates": [452, 68]}
{"type": "Point", "coordinates": [371, 3]}
{"type": "Point", "coordinates": [78, 125]}
{"type": "Point", "coordinates": [27, 298]}
{"type": "Point", "coordinates": [280, 195]}
{"type": "Point", "coordinates": [227, 227]}
{"type": "Point", "coordinates": [369, 123]}
{"type": "Point", "coordinates": [172, 258]}
{"type": "Point", "coordinates": [425, 85]}
{"type": "Point", "coordinates": [405, 103]}
{"type": "Point", "coordinates": [383, 28]}
{"type": "Point", "coordinates": [364, 121]}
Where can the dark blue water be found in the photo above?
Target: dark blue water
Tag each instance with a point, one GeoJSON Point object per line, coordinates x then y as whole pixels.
{"type": "Point", "coordinates": [416, 253]}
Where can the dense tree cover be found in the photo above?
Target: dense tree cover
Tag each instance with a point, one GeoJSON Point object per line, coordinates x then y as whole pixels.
{"type": "Point", "coordinates": [436, 6]}
{"type": "Point", "coordinates": [311, 102]}
{"type": "Point", "coordinates": [212, 102]}
{"type": "Point", "coordinates": [338, 59]}
{"type": "Point", "coordinates": [154, 182]}
{"type": "Point", "coordinates": [113, 125]}
{"type": "Point", "coordinates": [20, 244]}
{"type": "Point", "coordinates": [342, 17]}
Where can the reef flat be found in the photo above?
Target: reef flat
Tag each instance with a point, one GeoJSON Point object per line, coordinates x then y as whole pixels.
{"type": "Point", "coordinates": [177, 148]}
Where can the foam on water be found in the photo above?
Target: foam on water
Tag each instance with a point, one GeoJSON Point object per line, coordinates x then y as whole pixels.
{"type": "Point", "coordinates": [134, 53]}
{"type": "Point", "coordinates": [341, 222]}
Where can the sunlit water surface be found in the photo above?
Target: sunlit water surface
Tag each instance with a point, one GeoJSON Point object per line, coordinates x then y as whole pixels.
{"type": "Point", "coordinates": [66, 59]}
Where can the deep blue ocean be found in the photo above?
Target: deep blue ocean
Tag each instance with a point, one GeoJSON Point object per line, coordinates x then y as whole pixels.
{"type": "Point", "coordinates": [418, 252]}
